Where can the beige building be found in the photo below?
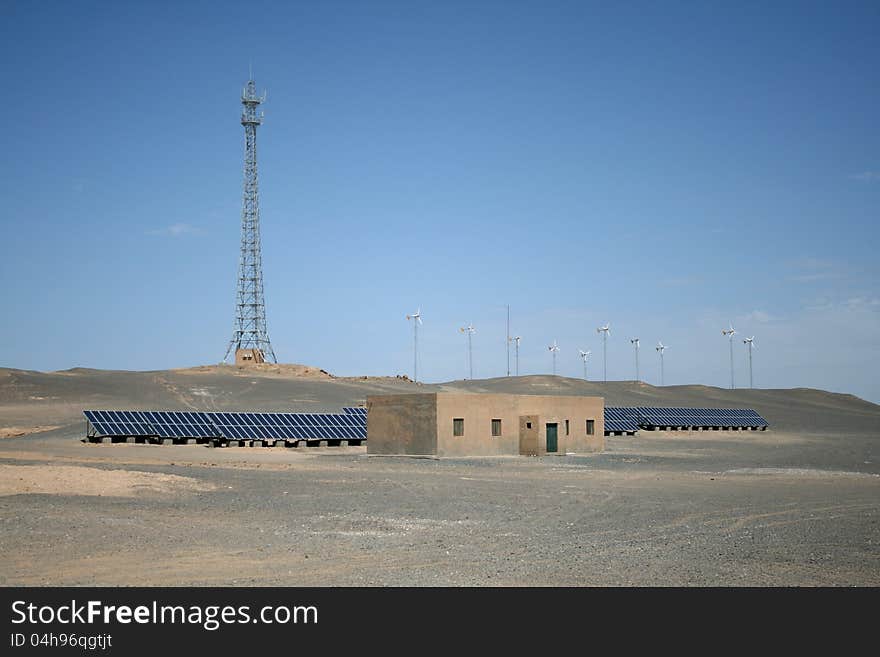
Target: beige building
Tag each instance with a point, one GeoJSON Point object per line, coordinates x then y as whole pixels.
{"type": "Point", "coordinates": [464, 424]}
{"type": "Point", "coordinates": [248, 356]}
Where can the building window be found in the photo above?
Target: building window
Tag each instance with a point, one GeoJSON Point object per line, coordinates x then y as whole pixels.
{"type": "Point", "coordinates": [458, 426]}
{"type": "Point", "coordinates": [528, 425]}
{"type": "Point", "coordinates": [496, 427]}
{"type": "Point", "coordinates": [591, 427]}
{"type": "Point", "coordinates": [566, 427]}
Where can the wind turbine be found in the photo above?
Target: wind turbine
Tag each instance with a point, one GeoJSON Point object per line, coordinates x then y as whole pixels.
{"type": "Point", "coordinates": [730, 332]}
{"type": "Point", "coordinates": [584, 356]}
{"type": "Point", "coordinates": [605, 331]}
{"type": "Point", "coordinates": [660, 349]}
{"type": "Point", "coordinates": [417, 319]}
{"type": "Point", "coordinates": [635, 342]}
{"type": "Point", "coordinates": [751, 343]}
{"type": "Point", "coordinates": [516, 341]}
{"type": "Point", "coordinates": [553, 349]}
{"type": "Point", "coordinates": [470, 330]}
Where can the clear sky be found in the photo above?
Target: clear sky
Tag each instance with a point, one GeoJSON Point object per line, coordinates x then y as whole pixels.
{"type": "Point", "coordinates": [665, 167]}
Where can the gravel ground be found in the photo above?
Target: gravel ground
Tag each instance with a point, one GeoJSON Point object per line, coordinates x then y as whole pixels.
{"type": "Point", "coordinates": [768, 508]}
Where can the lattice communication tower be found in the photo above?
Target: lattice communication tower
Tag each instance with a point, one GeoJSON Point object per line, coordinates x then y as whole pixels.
{"type": "Point", "coordinates": [250, 338]}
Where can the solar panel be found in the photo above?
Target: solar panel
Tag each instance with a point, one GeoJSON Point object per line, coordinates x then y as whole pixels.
{"type": "Point", "coordinates": [97, 422]}
{"type": "Point", "coordinates": [327, 425]}
{"type": "Point", "coordinates": [290, 426]}
{"type": "Point", "coordinates": [118, 423]}
{"type": "Point", "coordinates": [620, 420]}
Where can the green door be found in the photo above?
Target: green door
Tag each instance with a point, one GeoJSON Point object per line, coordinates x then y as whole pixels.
{"type": "Point", "coordinates": [551, 437]}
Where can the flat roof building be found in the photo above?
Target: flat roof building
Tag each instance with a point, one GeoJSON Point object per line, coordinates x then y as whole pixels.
{"type": "Point", "coordinates": [470, 424]}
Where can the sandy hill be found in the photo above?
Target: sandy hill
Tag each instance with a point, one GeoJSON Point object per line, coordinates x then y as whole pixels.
{"type": "Point", "coordinates": [29, 398]}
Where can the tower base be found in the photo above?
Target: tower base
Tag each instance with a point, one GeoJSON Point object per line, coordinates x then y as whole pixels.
{"type": "Point", "coordinates": [249, 356]}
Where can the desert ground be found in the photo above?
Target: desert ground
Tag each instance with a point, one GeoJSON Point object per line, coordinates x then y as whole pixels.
{"type": "Point", "coordinates": [796, 505]}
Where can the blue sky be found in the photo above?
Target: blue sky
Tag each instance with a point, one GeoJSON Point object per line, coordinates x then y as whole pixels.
{"type": "Point", "coordinates": [665, 167]}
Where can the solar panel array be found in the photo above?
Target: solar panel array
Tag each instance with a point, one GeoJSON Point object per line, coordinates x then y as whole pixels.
{"type": "Point", "coordinates": [619, 419]}
{"type": "Point", "coordinates": [230, 426]}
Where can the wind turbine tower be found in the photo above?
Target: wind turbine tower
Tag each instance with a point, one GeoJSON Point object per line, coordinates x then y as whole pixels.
{"type": "Point", "coordinates": [730, 332]}
{"type": "Point", "coordinates": [605, 331]}
{"type": "Point", "coordinates": [635, 343]}
{"type": "Point", "coordinates": [470, 330]}
{"type": "Point", "coordinates": [660, 349]}
{"type": "Point", "coordinates": [416, 318]}
{"type": "Point", "coordinates": [553, 349]}
{"type": "Point", "coordinates": [508, 339]}
{"type": "Point", "coordinates": [515, 340]}
{"type": "Point", "coordinates": [584, 356]}
{"type": "Point", "coordinates": [750, 342]}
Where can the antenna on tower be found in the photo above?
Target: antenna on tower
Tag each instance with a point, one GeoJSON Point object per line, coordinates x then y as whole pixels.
{"type": "Point", "coordinates": [605, 331]}
{"type": "Point", "coordinates": [470, 330]}
{"type": "Point", "coordinates": [730, 332]}
{"type": "Point", "coordinates": [250, 337]}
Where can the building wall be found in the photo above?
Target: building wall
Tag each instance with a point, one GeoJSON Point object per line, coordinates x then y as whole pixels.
{"type": "Point", "coordinates": [478, 411]}
{"type": "Point", "coordinates": [402, 424]}
{"type": "Point", "coordinates": [577, 410]}
{"type": "Point", "coordinates": [529, 434]}
{"type": "Point", "coordinates": [398, 424]}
